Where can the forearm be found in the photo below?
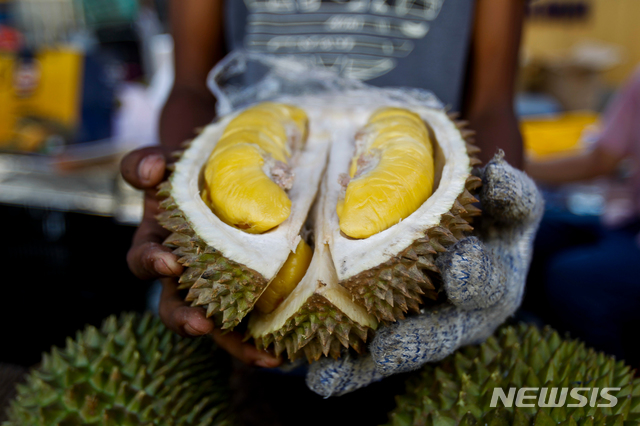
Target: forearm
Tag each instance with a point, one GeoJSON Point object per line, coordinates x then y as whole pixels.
{"type": "Point", "coordinates": [497, 129]}
{"type": "Point", "coordinates": [185, 111]}
{"type": "Point", "coordinates": [583, 166]}
{"type": "Point", "coordinates": [196, 27]}
{"type": "Point", "coordinates": [559, 170]}
{"type": "Point", "coordinates": [491, 79]}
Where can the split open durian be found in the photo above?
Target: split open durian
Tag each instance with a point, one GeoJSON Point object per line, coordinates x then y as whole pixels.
{"type": "Point", "coordinates": [374, 191]}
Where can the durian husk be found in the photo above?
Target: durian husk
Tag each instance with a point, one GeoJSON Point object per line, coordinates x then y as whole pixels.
{"type": "Point", "coordinates": [318, 329]}
{"type": "Point", "coordinates": [458, 390]}
{"type": "Point", "coordinates": [318, 318]}
{"type": "Point", "coordinates": [226, 288]}
{"type": "Point", "coordinates": [131, 371]}
{"type": "Point", "coordinates": [401, 284]}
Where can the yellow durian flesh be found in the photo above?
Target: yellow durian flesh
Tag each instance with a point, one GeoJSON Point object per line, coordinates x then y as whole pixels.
{"type": "Point", "coordinates": [258, 138]}
{"type": "Point", "coordinates": [400, 182]}
{"type": "Point", "coordinates": [297, 115]}
{"type": "Point", "coordinates": [287, 278]}
{"type": "Point", "coordinates": [240, 193]}
{"type": "Point", "coordinates": [394, 113]}
{"type": "Point", "coordinates": [268, 116]}
{"type": "Point", "coordinates": [236, 186]}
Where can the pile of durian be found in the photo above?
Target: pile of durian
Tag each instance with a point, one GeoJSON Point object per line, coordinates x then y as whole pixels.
{"type": "Point", "coordinates": [132, 371]}
{"type": "Point", "coordinates": [560, 382]}
{"type": "Point", "coordinates": [318, 221]}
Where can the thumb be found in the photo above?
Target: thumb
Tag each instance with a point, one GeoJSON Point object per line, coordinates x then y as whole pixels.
{"type": "Point", "coordinates": [144, 168]}
{"type": "Point", "coordinates": [508, 195]}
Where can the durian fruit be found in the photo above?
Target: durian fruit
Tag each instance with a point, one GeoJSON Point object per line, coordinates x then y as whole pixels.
{"type": "Point", "coordinates": [351, 284]}
{"type": "Point", "coordinates": [459, 390]}
{"type": "Point", "coordinates": [131, 371]}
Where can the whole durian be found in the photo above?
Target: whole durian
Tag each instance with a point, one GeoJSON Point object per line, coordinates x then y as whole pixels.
{"type": "Point", "coordinates": [357, 198]}
{"type": "Point", "coordinates": [459, 390]}
{"type": "Point", "coordinates": [131, 371]}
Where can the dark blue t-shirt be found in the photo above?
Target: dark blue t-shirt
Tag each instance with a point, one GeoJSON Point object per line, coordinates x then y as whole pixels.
{"type": "Point", "coordinates": [415, 43]}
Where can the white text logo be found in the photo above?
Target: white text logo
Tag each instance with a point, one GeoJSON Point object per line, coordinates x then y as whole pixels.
{"type": "Point", "coordinates": [553, 397]}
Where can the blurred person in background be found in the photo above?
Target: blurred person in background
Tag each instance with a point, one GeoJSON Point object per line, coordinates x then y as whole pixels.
{"type": "Point", "coordinates": [466, 51]}
{"type": "Point", "coordinates": [585, 275]}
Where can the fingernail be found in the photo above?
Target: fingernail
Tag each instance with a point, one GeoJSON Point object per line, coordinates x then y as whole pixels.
{"type": "Point", "coordinates": [267, 362]}
{"type": "Point", "coordinates": [162, 266]}
{"type": "Point", "coordinates": [191, 331]}
{"type": "Point", "coordinates": [146, 166]}
{"type": "Point", "coordinates": [263, 363]}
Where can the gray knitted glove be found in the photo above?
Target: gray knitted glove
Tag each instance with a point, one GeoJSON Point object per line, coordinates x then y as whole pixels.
{"type": "Point", "coordinates": [483, 277]}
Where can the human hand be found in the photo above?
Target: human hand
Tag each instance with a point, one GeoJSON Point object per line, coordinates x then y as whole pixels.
{"type": "Point", "coordinates": [145, 169]}
{"type": "Point", "coordinates": [483, 277]}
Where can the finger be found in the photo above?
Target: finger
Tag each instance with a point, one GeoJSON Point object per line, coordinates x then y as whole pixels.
{"type": "Point", "coordinates": [185, 320]}
{"type": "Point", "coordinates": [232, 342]}
{"type": "Point", "coordinates": [148, 258]}
{"type": "Point", "coordinates": [407, 345]}
{"type": "Point", "coordinates": [153, 260]}
{"type": "Point", "coordinates": [144, 168]}
{"type": "Point", "coordinates": [335, 377]}
{"type": "Point", "coordinates": [178, 316]}
{"type": "Point", "coordinates": [470, 276]}
{"type": "Point", "coordinates": [508, 195]}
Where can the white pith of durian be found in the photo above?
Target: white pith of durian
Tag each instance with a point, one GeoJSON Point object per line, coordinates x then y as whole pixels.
{"type": "Point", "coordinates": [320, 279]}
{"type": "Point", "coordinates": [249, 249]}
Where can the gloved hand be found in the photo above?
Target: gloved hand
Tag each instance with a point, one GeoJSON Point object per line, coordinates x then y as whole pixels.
{"type": "Point", "coordinates": [483, 277]}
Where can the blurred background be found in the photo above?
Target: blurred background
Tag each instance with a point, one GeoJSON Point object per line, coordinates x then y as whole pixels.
{"type": "Point", "coordinates": [80, 85]}
{"type": "Point", "coordinates": [82, 82]}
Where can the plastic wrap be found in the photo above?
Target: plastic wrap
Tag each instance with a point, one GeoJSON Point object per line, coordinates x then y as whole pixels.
{"type": "Point", "coordinates": [244, 78]}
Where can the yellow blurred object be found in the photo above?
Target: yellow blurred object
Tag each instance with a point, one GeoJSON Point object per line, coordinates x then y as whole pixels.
{"type": "Point", "coordinates": [46, 87]}
{"type": "Point", "coordinates": [391, 175]}
{"type": "Point", "coordinates": [557, 135]}
{"type": "Point", "coordinates": [31, 136]}
{"type": "Point", "coordinates": [287, 278]}
{"type": "Point", "coordinates": [253, 152]}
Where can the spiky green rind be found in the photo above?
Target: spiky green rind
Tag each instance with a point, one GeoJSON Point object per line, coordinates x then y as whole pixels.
{"type": "Point", "coordinates": [227, 289]}
{"type": "Point", "coordinates": [132, 371]}
{"type": "Point", "coordinates": [398, 285]}
{"type": "Point", "coordinates": [458, 390]}
{"type": "Point", "coordinates": [318, 328]}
